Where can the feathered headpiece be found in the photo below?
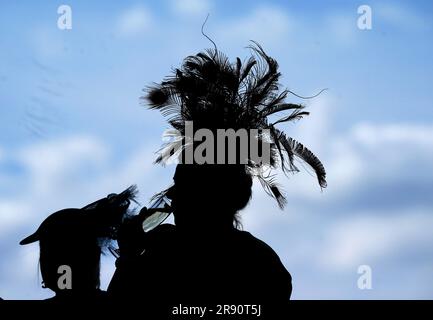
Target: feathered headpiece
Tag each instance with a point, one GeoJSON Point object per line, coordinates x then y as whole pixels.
{"type": "Point", "coordinates": [216, 94]}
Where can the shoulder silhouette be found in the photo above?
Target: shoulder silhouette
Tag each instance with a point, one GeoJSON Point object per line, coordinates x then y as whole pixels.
{"type": "Point", "coordinates": [203, 258]}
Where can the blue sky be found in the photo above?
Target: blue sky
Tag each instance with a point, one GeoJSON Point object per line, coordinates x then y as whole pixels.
{"type": "Point", "coordinates": [73, 130]}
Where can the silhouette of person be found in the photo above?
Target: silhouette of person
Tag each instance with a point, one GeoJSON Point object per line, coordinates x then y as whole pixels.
{"type": "Point", "coordinates": [204, 257]}
{"type": "Point", "coordinates": [71, 241]}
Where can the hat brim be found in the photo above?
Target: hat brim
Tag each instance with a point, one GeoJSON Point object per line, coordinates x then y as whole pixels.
{"type": "Point", "coordinates": [30, 239]}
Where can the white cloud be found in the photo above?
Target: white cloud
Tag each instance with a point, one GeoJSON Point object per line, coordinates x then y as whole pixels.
{"type": "Point", "coordinates": [58, 164]}
{"type": "Point", "coordinates": [333, 237]}
{"type": "Point", "coordinates": [375, 236]}
{"type": "Point", "coordinates": [369, 154]}
{"type": "Point", "coordinates": [315, 130]}
{"type": "Point", "coordinates": [46, 43]}
{"type": "Point", "coordinates": [51, 170]}
{"type": "Point", "coordinates": [192, 8]}
{"type": "Point", "coordinates": [71, 170]}
{"type": "Point", "coordinates": [398, 15]}
{"type": "Point", "coordinates": [108, 267]}
{"type": "Point", "coordinates": [22, 279]}
{"type": "Point", "coordinates": [12, 214]}
{"type": "Point", "coordinates": [133, 21]}
{"type": "Point", "coordinates": [251, 27]}
{"type": "Point", "coordinates": [342, 27]}
{"type": "Point", "coordinates": [263, 212]}
{"type": "Point", "coordinates": [381, 152]}
{"type": "Point", "coordinates": [420, 136]}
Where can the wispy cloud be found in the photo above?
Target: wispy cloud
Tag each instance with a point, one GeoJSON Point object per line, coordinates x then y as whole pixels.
{"type": "Point", "coordinates": [191, 8]}
{"type": "Point", "coordinates": [376, 209]}
{"type": "Point", "coordinates": [134, 21]}
{"type": "Point", "coordinates": [399, 16]}
{"type": "Point", "coordinates": [341, 28]}
{"type": "Point", "coordinates": [373, 237]}
{"type": "Point", "coordinates": [251, 26]}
